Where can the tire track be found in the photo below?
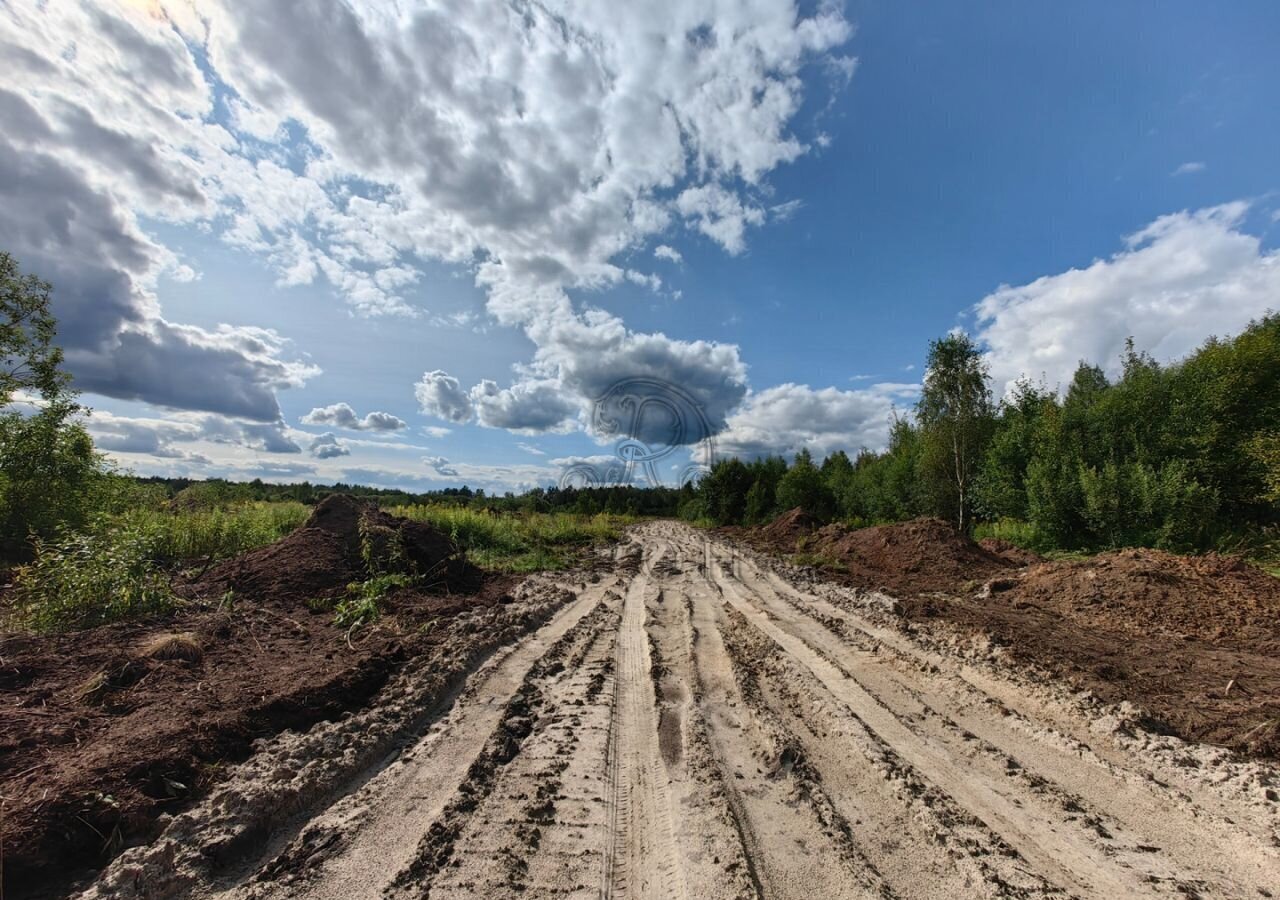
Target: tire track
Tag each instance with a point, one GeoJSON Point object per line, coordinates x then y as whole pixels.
{"type": "Point", "coordinates": [641, 861]}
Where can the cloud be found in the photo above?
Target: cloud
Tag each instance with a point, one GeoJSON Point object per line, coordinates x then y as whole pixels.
{"type": "Point", "coordinates": [1189, 168]}
{"type": "Point", "coordinates": [440, 394]}
{"type": "Point", "coordinates": [435, 431]}
{"type": "Point", "coordinates": [529, 448]}
{"type": "Point", "coordinates": [530, 407]}
{"type": "Point", "coordinates": [786, 418]}
{"type": "Point", "coordinates": [327, 446]}
{"type": "Point", "coordinates": [158, 437]}
{"type": "Point", "coordinates": [670, 254]}
{"type": "Point", "coordinates": [82, 154]}
{"type": "Point", "coordinates": [441, 466]}
{"type": "Point", "coordinates": [719, 214]}
{"type": "Point", "coordinates": [568, 143]}
{"type": "Point", "coordinates": [1183, 277]}
{"type": "Point", "coordinates": [343, 416]}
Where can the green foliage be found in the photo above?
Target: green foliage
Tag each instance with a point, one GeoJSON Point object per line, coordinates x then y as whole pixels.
{"type": "Point", "coordinates": [363, 603]}
{"type": "Point", "coordinates": [804, 486]}
{"type": "Point", "coordinates": [196, 534]}
{"type": "Point", "coordinates": [49, 471]}
{"type": "Point", "coordinates": [91, 579]}
{"type": "Point", "coordinates": [518, 542]}
{"type": "Point", "coordinates": [956, 418]}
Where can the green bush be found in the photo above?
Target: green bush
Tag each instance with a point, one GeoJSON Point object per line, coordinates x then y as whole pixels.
{"type": "Point", "coordinates": [88, 579]}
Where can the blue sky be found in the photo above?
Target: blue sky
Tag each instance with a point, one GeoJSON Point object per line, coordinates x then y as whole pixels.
{"type": "Point", "coordinates": [453, 217]}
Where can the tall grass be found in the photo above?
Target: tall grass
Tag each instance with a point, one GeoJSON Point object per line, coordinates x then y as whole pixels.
{"type": "Point", "coordinates": [116, 569]}
{"type": "Point", "coordinates": [213, 533]}
{"type": "Point", "coordinates": [518, 542]}
{"type": "Point", "coordinates": [1016, 532]}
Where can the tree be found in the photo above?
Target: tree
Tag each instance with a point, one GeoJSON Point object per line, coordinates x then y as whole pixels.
{"type": "Point", "coordinates": [803, 486]}
{"type": "Point", "coordinates": [48, 468]}
{"type": "Point", "coordinates": [956, 417]}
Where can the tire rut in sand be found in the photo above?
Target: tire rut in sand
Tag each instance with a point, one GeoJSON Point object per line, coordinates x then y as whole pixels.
{"type": "Point", "coordinates": [1064, 838]}
{"type": "Point", "coordinates": [516, 824]}
{"type": "Point", "coordinates": [641, 861]}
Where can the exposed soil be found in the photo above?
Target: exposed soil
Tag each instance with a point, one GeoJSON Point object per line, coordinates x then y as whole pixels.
{"type": "Point", "coordinates": [699, 723]}
{"type": "Point", "coordinates": [103, 731]}
{"type": "Point", "coordinates": [1019, 556]}
{"type": "Point", "coordinates": [1194, 641]}
{"type": "Point", "coordinates": [911, 557]}
{"type": "Point", "coordinates": [322, 557]}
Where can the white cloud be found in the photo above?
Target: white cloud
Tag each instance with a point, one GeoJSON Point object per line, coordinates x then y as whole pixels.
{"type": "Point", "coordinates": [343, 416]}
{"type": "Point", "coordinates": [1189, 168]}
{"type": "Point", "coordinates": [789, 417]}
{"type": "Point", "coordinates": [530, 448]}
{"type": "Point", "coordinates": [530, 407]}
{"type": "Point", "coordinates": [440, 394]}
{"type": "Point", "coordinates": [327, 446]}
{"type": "Point", "coordinates": [670, 254]}
{"type": "Point", "coordinates": [577, 133]}
{"type": "Point", "coordinates": [1180, 279]}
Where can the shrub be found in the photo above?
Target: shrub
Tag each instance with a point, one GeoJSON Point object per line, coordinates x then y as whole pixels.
{"type": "Point", "coordinates": [91, 579]}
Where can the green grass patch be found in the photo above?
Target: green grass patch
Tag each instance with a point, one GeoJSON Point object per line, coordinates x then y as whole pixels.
{"type": "Point", "coordinates": [1016, 532]}
{"type": "Point", "coordinates": [519, 542]}
{"type": "Point", "coordinates": [177, 535]}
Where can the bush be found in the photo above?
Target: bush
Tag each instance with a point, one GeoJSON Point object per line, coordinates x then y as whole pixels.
{"type": "Point", "coordinates": [91, 579]}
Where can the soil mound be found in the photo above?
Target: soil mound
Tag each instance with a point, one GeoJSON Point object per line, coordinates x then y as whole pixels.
{"type": "Point", "coordinates": [1007, 550]}
{"type": "Point", "coordinates": [1219, 599]}
{"type": "Point", "coordinates": [323, 556]}
{"type": "Point", "coordinates": [920, 556]}
{"type": "Point", "coordinates": [789, 527]}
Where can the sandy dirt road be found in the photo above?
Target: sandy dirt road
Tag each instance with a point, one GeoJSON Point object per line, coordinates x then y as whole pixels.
{"type": "Point", "coordinates": [695, 725]}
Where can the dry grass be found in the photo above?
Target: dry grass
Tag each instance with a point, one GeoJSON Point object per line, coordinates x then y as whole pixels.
{"type": "Point", "coordinates": [93, 689]}
{"type": "Point", "coordinates": [182, 645]}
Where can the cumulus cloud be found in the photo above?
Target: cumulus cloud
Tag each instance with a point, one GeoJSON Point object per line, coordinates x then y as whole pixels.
{"type": "Point", "coordinates": [342, 415]}
{"type": "Point", "coordinates": [159, 437]}
{"type": "Point", "coordinates": [1189, 168]}
{"type": "Point", "coordinates": [1183, 277]}
{"type": "Point", "coordinates": [670, 254]}
{"type": "Point", "coordinates": [84, 150]}
{"type": "Point", "coordinates": [789, 417]}
{"type": "Point", "coordinates": [440, 394]}
{"type": "Point", "coordinates": [529, 407]}
{"type": "Point", "coordinates": [327, 446]}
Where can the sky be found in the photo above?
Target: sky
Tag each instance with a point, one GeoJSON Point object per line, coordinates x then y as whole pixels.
{"type": "Point", "coordinates": [419, 244]}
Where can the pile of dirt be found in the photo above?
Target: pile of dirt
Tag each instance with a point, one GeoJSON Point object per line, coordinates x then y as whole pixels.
{"type": "Point", "coordinates": [789, 527]}
{"type": "Point", "coordinates": [1219, 599]}
{"type": "Point", "coordinates": [319, 559]}
{"type": "Point", "coordinates": [104, 730]}
{"type": "Point", "coordinates": [1194, 641]}
{"type": "Point", "coordinates": [1007, 550]}
{"type": "Point", "coordinates": [921, 556]}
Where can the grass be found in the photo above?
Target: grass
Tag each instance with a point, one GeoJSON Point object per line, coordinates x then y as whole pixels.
{"type": "Point", "coordinates": [117, 569]}
{"type": "Point", "coordinates": [1020, 534]}
{"type": "Point", "coordinates": [519, 542]}
{"type": "Point", "coordinates": [176, 535]}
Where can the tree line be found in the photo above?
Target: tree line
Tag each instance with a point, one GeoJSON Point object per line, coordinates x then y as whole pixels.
{"type": "Point", "coordinates": [1181, 456]}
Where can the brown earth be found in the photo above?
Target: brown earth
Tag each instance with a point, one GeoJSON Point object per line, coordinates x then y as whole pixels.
{"type": "Point", "coordinates": [1019, 556]}
{"type": "Point", "coordinates": [1195, 641]}
{"type": "Point", "coordinates": [102, 731]}
{"type": "Point", "coordinates": [696, 723]}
